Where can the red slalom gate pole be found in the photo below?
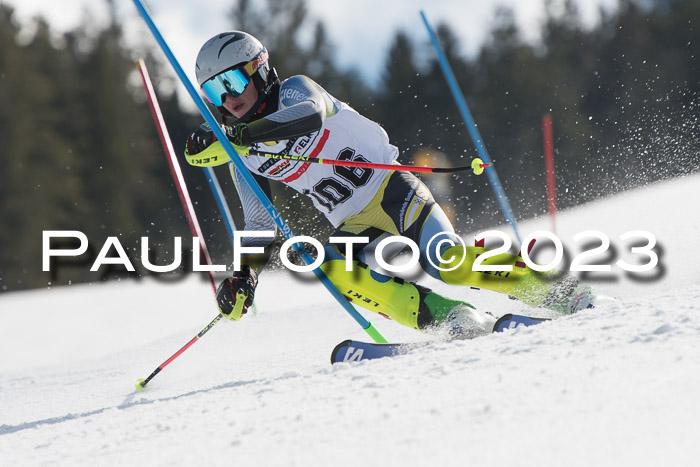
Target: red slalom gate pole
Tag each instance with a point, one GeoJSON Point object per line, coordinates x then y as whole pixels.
{"type": "Point", "coordinates": [174, 165]}
{"type": "Point", "coordinates": [186, 203]}
{"type": "Point", "coordinates": [549, 168]}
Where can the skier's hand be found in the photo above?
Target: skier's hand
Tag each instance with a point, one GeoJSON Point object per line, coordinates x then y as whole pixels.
{"type": "Point", "coordinates": [202, 151]}
{"type": "Point", "coordinates": [199, 140]}
{"type": "Point", "coordinates": [239, 135]}
{"type": "Point", "coordinates": [236, 293]}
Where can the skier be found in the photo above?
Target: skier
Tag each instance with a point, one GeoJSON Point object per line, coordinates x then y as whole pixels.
{"type": "Point", "coordinates": [297, 116]}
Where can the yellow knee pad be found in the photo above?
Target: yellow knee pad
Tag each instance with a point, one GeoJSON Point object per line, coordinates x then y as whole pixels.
{"type": "Point", "coordinates": [391, 297]}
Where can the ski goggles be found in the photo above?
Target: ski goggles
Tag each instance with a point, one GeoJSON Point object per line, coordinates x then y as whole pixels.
{"type": "Point", "coordinates": [230, 82]}
{"type": "Point", "coordinates": [233, 81]}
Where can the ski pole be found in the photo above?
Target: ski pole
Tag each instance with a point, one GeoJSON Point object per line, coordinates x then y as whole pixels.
{"type": "Point", "coordinates": [363, 165]}
{"type": "Point", "coordinates": [250, 181]}
{"type": "Point", "coordinates": [141, 384]}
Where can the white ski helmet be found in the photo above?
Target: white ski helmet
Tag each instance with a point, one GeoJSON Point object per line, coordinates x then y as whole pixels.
{"type": "Point", "coordinates": [227, 62]}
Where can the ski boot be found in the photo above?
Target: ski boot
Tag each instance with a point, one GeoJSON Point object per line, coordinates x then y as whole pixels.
{"type": "Point", "coordinates": [569, 296]}
{"type": "Point", "coordinates": [452, 319]}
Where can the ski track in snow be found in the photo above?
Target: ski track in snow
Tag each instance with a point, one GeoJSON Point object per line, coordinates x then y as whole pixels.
{"type": "Point", "coordinates": [616, 385]}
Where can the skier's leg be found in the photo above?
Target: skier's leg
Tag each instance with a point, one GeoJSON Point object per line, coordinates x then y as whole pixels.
{"type": "Point", "coordinates": [415, 214]}
{"type": "Point", "coordinates": [407, 303]}
{"type": "Point", "coordinates": [401, 203]}
{"type": "Point", "coordinates": [454, 265]}
{"type": "Point", "coordinates": [553, 290]}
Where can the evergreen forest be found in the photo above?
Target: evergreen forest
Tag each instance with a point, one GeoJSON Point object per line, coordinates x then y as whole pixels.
{"type": "Point", "coordinates": [81, 152]}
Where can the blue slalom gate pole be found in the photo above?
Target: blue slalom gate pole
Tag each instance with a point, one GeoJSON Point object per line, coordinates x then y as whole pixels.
{"type": "Point", "coordinates": [220, 201]}
{"type": "Point", "coordinates": [223, 207]}
{"type": "Point", "coordinates": [248, 178]}
{"type": "Point", "coordinates": [471, 126]}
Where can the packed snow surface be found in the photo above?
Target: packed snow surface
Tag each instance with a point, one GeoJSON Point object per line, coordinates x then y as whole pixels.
{"type": "Point", "coordinates": [616, 385]}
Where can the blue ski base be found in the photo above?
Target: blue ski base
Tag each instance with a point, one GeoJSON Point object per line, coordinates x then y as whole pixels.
{"type": "Point", "coordinates": [356, 351]}
{"type": "Point", "coordinates": [511, 321]}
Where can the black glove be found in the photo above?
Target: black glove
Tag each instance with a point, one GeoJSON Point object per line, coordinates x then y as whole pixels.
{"type": "Point", "coordinates": [238, 135]}
{"type": "Point", "coordinates": [201, 139]}
{"type": "Point", "coordinates": [236, 293]}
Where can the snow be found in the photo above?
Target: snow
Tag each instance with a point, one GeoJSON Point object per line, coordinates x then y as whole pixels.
{"type": "Point", "coordinates": [616, 385]}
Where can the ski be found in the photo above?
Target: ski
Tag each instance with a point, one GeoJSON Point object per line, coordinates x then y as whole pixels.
{"type": "Point", "coordinates": [356, 351]}
{"type": "Point", "coordinates": [510, 321]}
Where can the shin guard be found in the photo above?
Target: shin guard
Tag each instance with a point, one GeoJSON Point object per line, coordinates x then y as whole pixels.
{"type": "Point", "coordinates": [391, 297]}
{"type": "Point", "coordinates": [529, 286]}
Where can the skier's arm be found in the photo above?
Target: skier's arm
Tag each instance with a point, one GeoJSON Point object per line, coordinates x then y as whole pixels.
{"type": "Point", "coordinates": [255, 218]}
{"type": "Point", "coordinates": [304, 107]}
